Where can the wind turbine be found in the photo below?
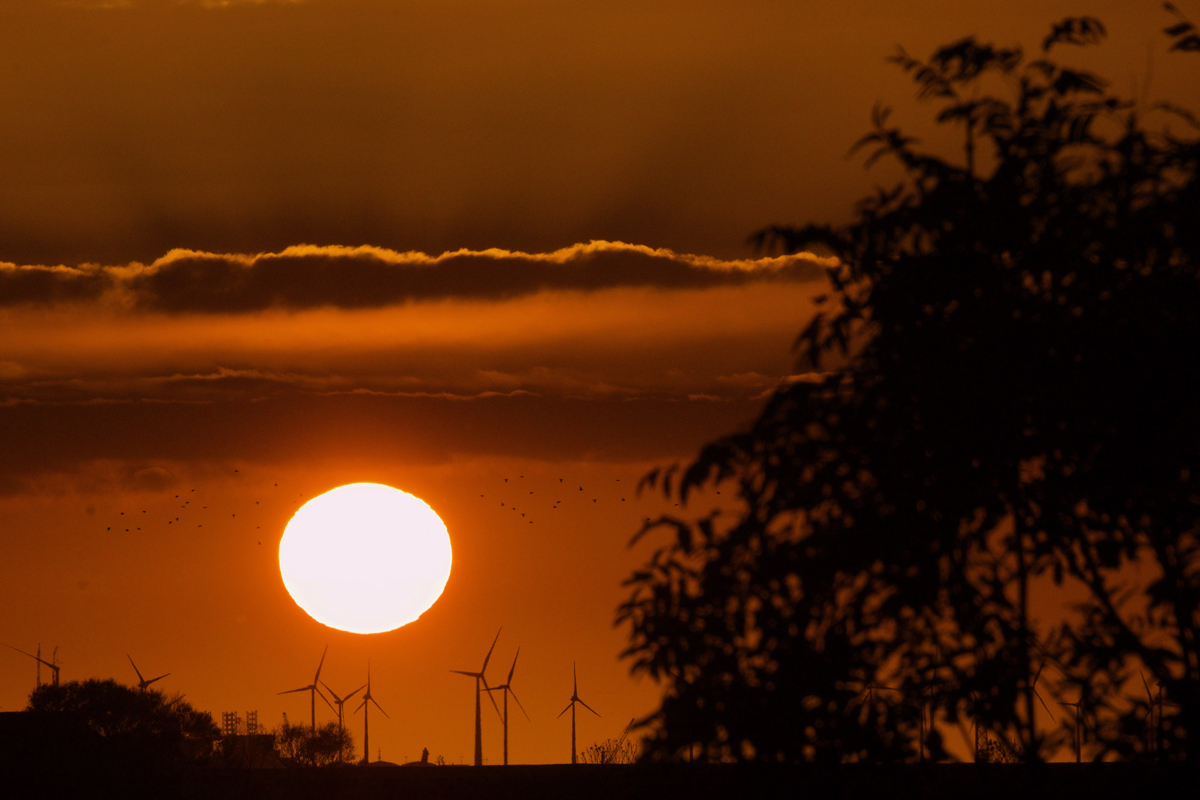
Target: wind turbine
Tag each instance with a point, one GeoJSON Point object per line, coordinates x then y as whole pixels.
{"type": "Point", "coordinates": [341, 701]}
{"type": "Point", "coordinates": [571, 707]}
{"type": "Point", "coordinates": [142, 682]}
{"type": "Point", "coordinates": [52, 663]}
{"type": "Point", "coordinates": [1038, 695]}
{"type": "Point", "coordinates": [506, 687]}
{"type": "Point", "coordinates": [1152, 730]}
{"type": "Point", "coordinates": [478, 676]}
{"type": "Point", "coordinates": [1077, 733]}
{"type": "Point", "coordinates": [868, 703]}
{"type": "Point", "coordinates": [1156, 730]}
{"type": "Point", "coordinates": [313, 690]}
{"type": "Point", "coordinates": [367, 698]}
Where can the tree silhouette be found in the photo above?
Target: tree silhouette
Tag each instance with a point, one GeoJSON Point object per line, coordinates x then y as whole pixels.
{"type": "Point", "coordinates": [144, 728]}
{"type": "Point", "coordinates": [326, 746]}
{"type": "Point", "coordinates": [1000, 391]}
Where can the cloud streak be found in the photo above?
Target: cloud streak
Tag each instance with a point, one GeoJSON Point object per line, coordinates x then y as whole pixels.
{"type": "Point", "coordinates": [306, 277]}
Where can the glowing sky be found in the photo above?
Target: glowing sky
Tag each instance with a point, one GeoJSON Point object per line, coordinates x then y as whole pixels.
{"type": "Point", "coordinates": [250, 251]}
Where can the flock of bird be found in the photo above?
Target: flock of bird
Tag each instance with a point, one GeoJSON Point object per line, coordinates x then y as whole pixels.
{"type": "Point", "coordinates": [511, 496]}
{"type": "Point", "coordinates": [510, 493]}
{"type": "Point", "coordinates": [189, 510]}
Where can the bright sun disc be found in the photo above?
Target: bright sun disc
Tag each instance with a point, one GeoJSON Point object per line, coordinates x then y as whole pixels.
{"type": "Point", "coordinates": [365, 558]}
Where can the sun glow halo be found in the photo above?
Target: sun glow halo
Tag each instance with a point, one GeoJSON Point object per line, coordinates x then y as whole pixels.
{"type": "Point", "coordinates": [365, 558]}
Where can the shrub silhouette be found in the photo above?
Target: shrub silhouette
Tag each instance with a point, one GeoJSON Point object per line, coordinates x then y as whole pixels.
{"type": "Point", "coordinates": [1001, 388]}
{"type": "Point", "coordinates": [328, 745]}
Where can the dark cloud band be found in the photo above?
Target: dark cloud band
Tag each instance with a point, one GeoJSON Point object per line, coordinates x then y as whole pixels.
{"type": "Point", "coordinates": [19, 285]}
{"type": "Point", "coordinates": [306, 277]}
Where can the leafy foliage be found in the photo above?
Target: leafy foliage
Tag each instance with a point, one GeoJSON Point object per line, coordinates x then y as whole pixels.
{"type": "Point", "coordinates": [999, 392]}
{"type": "Point", "coordinates": [145, 727]}
{"type": "Point", "coordinates": [610, 751]}
{"type": "Point", "coordinates": [326, 746]}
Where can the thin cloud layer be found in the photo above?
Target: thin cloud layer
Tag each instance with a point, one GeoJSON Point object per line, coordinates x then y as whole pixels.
{"type": "Point", "coordinates": [306, 277]}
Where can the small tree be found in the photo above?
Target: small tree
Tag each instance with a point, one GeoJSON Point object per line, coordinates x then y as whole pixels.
{"type": "Point", "coordinates": [328, 745]}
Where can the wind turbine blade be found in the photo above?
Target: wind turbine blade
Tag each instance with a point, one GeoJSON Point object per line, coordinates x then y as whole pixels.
{"type": "Point", "coordinates": [333, 694]}
{"type": "Point", "coordinates": [523, 711]}
{"type": "Point", "coordinates": [489, 694]}
{"type": "Point", "coordinates": [1043, 702]}
{"type": "Point", "coordinates": [317, 677]}
{"type": "Point", "coordinates": [589, 708]}
{"type": "Point", "coordinates": [513, 667]}
{"type": "Point", "coordinates": [565, 710]}
{"type": "Point", "coordinates": [1038, 674]}
{"type": "Point", "coordinates": [468, 674]}
{"type": "Point", "coordinates": [326, 699]}
{"type": "Point", "coordinates": [490, 649]}
{"type": "Point", "coordinates": [1149, 694]}
{"type": "Point", "coordinates": [135, 669]}
{"type": "Point", "coordinates": [35, 658]}
{"type": "Point", "coordinates": [293, 691]}
{"type": "Point", "coordinates": [381, 711]}
{"type": "Point", "coordinates": [364, 702]}
{"type": "Point", "coordinates": [575, 679]}
{"type": "Point", "coordinates": [159, 678]}
{"type": "Point", "coordinates": [356, 691]}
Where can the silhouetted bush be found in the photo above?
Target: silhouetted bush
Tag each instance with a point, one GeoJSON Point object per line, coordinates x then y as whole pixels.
{"type": "Point", "coordinates": [1002, 387]}
{"type": "Point", "coordinates": [328, 745]}
{"type": "Point", "coordinates": [610, 751]}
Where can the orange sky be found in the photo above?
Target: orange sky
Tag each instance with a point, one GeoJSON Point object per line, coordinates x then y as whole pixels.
{"type": "Point", "coordinates": [250, 251]}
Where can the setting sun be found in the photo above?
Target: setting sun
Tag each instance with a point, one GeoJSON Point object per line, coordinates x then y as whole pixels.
{"type": "Point", "coordinates": [365, 558]}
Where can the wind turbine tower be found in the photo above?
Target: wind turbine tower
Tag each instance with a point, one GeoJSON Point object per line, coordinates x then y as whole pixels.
{"type": "Point", "coordinates": [478, 676]}
{"type": "Point", "coordinates": [1077, 733]}
{"type": "Point", "coordinates": [571, 707]}
{"type": "Point", "coordinates": [313, 690]}
{"type": "Point", "coordinates": [506, 687]}
{"type": "Point", "coordinates": [367, 698]}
